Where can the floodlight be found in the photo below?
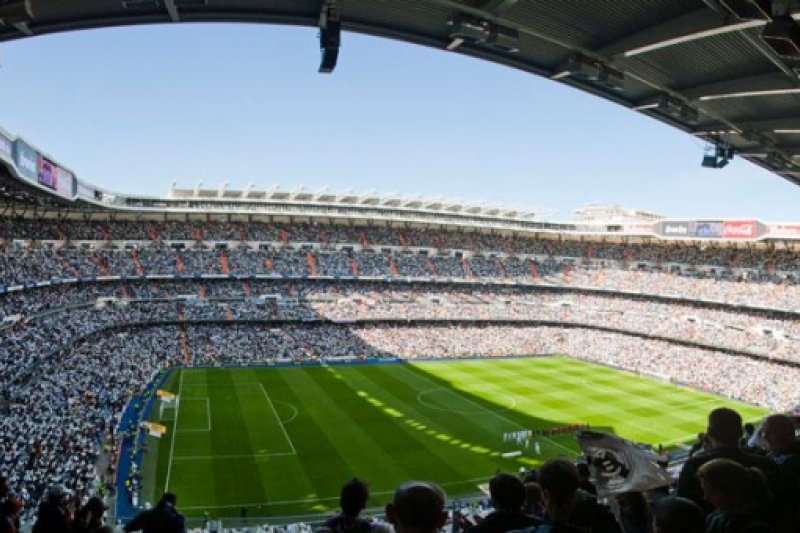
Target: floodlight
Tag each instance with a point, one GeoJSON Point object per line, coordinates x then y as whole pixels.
{"type": "Point", "coordinates": [330, 38]}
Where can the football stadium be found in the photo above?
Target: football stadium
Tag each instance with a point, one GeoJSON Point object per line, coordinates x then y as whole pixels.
{"type": "Point", "coordinates": [285, 360]}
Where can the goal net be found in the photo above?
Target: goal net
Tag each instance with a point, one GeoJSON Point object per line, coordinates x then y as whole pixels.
{"type": "Point", "coordinates": [167, 405]}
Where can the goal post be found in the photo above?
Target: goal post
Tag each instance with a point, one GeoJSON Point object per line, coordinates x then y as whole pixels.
{"type": "Point", "coordinates": [167, 405]}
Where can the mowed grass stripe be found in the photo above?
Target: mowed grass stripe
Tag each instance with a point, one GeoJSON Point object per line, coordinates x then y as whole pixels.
{"type": "Point", "coordinates": [318, 469]}
{"type": "Point", "coordinates": [371, 421]}
{"type": "Point", "coordinates": [496, 415]}
{"type": "Point", "coordinates": [423, 429]}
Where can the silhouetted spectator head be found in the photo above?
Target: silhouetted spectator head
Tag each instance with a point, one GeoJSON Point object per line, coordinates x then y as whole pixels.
{"type": "Point", "coordinates": [678, 515]}
{"type": "Point", "coordinates": [728, 485]}
{"type": "Point", "coordinates": [353, 498]}
{"type": "Point", "coordinates": [167, 500]}
{"type": "Point", "coordinates": [417, 507]}
{"type": "Point", "coordinates": [4, 488]}
{"type": "Point", "coordinates": [724, 428]}
{"type": "Point", "coordinates": [559, 481]}
{"type": "Point", "coordinates": [534, 499]}
{"type": "Point", "coordinates": [779, 433]}
{"type": "Point", "coordinates": [58, 494]}
{"type": "Point", "coordinates": [507, 493]}
{"type": "Point", "coordinates": [96, 505]}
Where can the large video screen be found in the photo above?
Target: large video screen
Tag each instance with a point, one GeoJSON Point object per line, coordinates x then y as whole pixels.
{"type": "Point", "coordinates": [48, 173]}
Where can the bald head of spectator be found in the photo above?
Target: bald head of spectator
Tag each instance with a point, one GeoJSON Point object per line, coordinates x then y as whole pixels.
{"type": "Point", "coordinates": [779, 433]}
{"type": "Point", "coordinates": [678, 515]}
{"type": "Point", "coordinates": [417, 507]}
{"type": "Point", "coordinates": [724, 428]}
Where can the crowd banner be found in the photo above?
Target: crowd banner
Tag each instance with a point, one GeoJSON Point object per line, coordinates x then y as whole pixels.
{"type": "Point", "coordinates": [619, 466]}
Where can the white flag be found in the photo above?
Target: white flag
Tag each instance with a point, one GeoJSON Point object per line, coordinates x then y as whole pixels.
{"type": "Point", "coordinates": [619, 466]}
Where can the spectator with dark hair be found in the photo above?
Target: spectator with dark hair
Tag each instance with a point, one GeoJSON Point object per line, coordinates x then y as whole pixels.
{"type": "Point", "coordinates": [783, 449]}
{"type": "Point", "coordinates": [722, 441]}
{"type": "Point", "coordinates": [352, 499]}
{"type": "Point", "coordinates": [507, 493]}
{"type": "Point", "coordinates": [534, 499]}
{"type": "Point", "coordinates": [417, 507]}
{"type": "Point", "coordinates": [54, 513]}
{"type": "Point", "coordinates": [678, 515]}
{"type": "Point", "coordinates": [740, 497]}
{"type": "Point", "coordinates": [559, 481]}
{"type": "Point", "coordinates": [9, 515]}
{"type": "Point", "coordinates": [89, 518]}
{"type": "Point", "coordinates": [163, 518]}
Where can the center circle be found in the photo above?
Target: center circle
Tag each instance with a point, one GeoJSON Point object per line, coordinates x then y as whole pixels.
{"type": "Point", "coordinates": [426, 398]}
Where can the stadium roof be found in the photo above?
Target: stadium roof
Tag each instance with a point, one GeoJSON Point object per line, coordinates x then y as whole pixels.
{"type": "Point", "coordinates": [723, 70]}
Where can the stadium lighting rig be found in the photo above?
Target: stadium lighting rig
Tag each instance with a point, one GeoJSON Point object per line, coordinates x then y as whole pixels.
{"type": "Point", "coordinates": [585, 69]}
{"type": "Point", "coordinates": [717, 155]}
{"type": "Point", "coordinates": [16, 11]}
{"type": "Point", "coordinates": [474, 30]}
{"type": "Point", "coordinates": [330, 37]}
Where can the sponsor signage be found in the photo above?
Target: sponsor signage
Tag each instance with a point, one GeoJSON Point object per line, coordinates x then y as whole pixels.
{"type": "Point", "coordinates": [637, 228]}
{"type": "Point", "coordinates": [707, 229]}
{"type": "Point", "coordinates": [66, 183]}
{"type": "Point", "coordinates": [6, 148]}
{"type": "Point", "coordinates": [85, 191]}
{"type": "Point", "coordinates": [26, 159]}
{"type": "Point", "coordinates": [785, 230]}
{"type": "Point", "coordinates": [740, 229]}
{"type": "Point", "coordinates": [675, 229]}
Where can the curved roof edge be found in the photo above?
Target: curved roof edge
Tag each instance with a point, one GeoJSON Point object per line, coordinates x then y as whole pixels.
{"type": "Point", "coordinates": [46, 179]}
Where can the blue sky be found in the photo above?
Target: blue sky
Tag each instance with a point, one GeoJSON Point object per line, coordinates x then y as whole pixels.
{"type": "Point", "coordinates": [134, 109]}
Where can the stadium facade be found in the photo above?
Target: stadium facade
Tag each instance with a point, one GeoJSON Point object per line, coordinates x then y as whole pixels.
{"type": "Point", "coordinates": [72, 198]}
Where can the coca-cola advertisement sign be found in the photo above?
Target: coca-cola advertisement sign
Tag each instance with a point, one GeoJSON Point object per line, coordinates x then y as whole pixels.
{"type": "Point", "coordinates": [739, 229]}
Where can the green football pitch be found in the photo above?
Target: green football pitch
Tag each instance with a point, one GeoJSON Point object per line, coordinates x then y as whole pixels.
{"type": "Point", "coordinates": [281, 441]}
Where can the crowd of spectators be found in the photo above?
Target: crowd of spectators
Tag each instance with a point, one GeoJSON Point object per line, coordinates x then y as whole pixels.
{"type": "Point", "coordinates": [765, 288]}
{"type": "Point", "coordinates": [71, 355]}
{"type": "Point", "coordinates": [770, 334]}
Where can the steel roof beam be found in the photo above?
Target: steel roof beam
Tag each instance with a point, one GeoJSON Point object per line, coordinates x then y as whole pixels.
{"type": "Point", "coordinates": [698, 24]}
{"type": "Point", "coordinates": [768, 125]}
{"type": "Point", "coordinates": [773, 81]}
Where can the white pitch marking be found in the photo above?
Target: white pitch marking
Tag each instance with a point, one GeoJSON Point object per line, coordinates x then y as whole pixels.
{"type": "Point", "coordinates": [174, 432]}
{"type": "Point", "coordinates": [278, 418]}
